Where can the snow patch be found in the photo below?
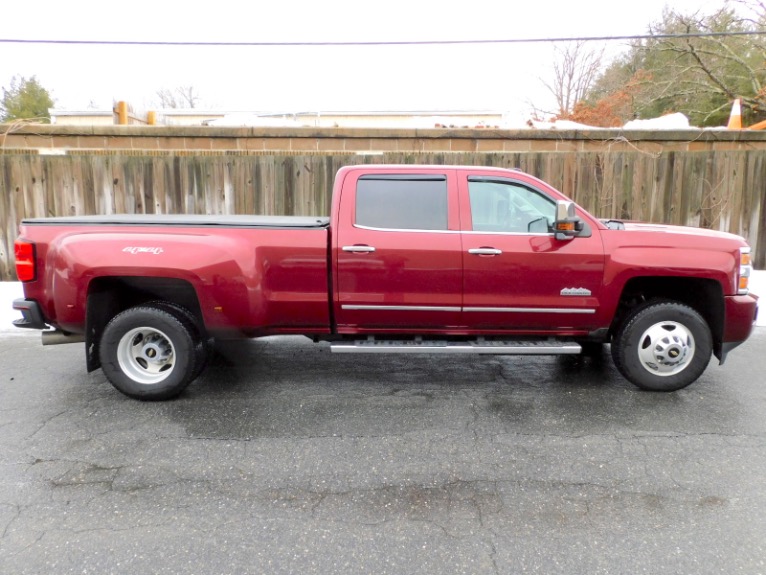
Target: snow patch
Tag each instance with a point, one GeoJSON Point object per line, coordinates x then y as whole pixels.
{"type": "Point", "coordinates": [675, 121]}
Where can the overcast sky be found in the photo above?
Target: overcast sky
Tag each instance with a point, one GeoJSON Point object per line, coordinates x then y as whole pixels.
{"type": "Point", "coordinates": [502, 77]}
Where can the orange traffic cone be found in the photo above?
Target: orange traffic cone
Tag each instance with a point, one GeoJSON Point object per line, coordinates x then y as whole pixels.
{"type": "Point", "coordinates": [735, 118]}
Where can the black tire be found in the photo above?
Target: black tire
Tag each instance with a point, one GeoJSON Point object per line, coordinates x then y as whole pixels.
{"type": "Point", "coordinates": [148, 353]}
{"type": "Point", "coordinates": [662, 346]}
{"type": "Point", "coordinates": [203, 347]}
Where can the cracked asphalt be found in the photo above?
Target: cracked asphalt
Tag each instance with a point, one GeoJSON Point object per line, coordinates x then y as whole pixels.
{"type": "Point", "coordinates": [283, 458]}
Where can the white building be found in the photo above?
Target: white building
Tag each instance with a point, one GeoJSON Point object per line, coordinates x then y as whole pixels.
{"type": "Point", "coordinates": [194, 117]}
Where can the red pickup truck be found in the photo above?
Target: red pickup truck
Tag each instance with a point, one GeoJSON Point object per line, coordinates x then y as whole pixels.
{"type": "Point", "coordinates": [413, 259]}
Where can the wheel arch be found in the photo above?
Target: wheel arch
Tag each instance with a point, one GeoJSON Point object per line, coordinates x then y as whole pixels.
{"type": "Point", "coordinates": [109, 295]}
{"type": "Point", "coordinates": [703, 295]}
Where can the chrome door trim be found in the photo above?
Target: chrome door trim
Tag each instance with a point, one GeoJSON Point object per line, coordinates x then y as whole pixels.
{"type": "Point", "coordinates": [400, 307]}
{"type": "Point", "coordinates": [529, 310]}
{"type": "Point", "coordinates": [467, 309]}
{"type": "Point", "coordinates": [400, 230]}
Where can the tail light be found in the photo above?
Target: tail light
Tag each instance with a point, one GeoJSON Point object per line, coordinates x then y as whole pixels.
{"type": "Point", "coordinates": [25, 260]}
{"type": "Point", "coordinates": [745, 270]}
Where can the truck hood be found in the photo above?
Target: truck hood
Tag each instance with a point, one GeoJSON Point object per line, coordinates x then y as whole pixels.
{"type": "Point", "coordinates": [684, 230]}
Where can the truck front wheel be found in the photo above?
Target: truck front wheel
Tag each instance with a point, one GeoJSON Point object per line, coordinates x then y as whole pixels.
{"type": "Point", "coordinates": [662, 346]}
{"type": "Point", "coordinates": [149, 353]}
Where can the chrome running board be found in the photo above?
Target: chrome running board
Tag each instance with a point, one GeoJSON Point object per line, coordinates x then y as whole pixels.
{"type": "Point", "coordinates": [542, 347]}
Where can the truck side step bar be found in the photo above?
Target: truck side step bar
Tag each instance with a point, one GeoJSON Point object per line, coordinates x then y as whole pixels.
{"type": "Point", "coordinates": [533, 347]}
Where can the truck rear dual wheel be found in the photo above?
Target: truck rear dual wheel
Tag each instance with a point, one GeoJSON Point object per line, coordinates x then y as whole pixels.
{"type": "Point", "coordinates": [662, 346]}
{"type": "Point", "coordinates": [151, 352]}
{"type": "Point", "coordinates": [204, 347]}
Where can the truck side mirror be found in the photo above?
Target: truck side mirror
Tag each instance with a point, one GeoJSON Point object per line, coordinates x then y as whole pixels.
{"type": "Point", "coordinates": [567, 224]}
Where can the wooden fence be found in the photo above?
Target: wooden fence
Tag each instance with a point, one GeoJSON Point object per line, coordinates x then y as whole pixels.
{"type": "Point", "coordinates": [713, 189]}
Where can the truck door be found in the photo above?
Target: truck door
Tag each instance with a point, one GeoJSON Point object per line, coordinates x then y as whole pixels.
{"type": "Point", "coordinates": [517, 275]}
{"type": "Point", "coordinates": [397, 253]}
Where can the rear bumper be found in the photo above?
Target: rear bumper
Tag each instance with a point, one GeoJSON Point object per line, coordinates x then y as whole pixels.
{"type": "Point", "coordinates": [31, 315]}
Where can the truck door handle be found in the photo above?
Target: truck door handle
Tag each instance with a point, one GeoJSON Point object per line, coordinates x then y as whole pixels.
{"type": "Point", "coordinates": [359, 249]}
{"type": "Point", "coordinates": [485, 251]}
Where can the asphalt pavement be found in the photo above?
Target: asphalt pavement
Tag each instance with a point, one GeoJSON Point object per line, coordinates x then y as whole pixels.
{"type": "Point", "coordinates": [284, 458]}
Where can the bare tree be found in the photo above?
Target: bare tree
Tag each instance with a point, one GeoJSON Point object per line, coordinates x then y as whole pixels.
{"type": "Point", "coordinates": [574, 71]}
{"type": "Point", "coordinates": [704, 75]}
{"type": "Point", "coordinates": [695, 63]}
{"type": "Point", "coordinates": [179, 97]}
{"type": "Point", "coordinates": [752, 11]}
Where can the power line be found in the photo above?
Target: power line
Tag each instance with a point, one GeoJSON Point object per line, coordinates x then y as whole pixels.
{"type": "Point", "coordinates": [385, 43]}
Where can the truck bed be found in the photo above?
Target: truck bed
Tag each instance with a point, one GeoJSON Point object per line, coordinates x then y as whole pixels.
{"type": "Point", "coordinates": [248, 274]}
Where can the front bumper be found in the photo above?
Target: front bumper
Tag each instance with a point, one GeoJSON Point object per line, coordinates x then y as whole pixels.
{"type": "Point", "coordinates": [32, 316]}
{"type": "Point", "coordinates": [741, 314]}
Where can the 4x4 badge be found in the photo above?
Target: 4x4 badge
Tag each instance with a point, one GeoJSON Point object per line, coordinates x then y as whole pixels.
{"type": "Point", "coordinates": [143, 250]}
{"type": "Point", "coordinates": [575, 291]}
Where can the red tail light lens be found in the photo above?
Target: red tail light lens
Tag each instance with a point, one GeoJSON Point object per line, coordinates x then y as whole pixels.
{"type": "Point", "coordinates": [25, 260]}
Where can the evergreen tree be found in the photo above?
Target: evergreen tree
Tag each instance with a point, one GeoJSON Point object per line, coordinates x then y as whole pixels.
{"type": "Point", "coordinates": [26, 99]}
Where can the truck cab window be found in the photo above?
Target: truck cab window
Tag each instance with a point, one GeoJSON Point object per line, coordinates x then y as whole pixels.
{"type": "Point", "coordinates": [509, 207]}
{"type": "Point", "coordinates": [395, 202]}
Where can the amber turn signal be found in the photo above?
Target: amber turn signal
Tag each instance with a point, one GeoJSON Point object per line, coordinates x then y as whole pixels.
{"type": "Point", "coordinates": [745, 270]}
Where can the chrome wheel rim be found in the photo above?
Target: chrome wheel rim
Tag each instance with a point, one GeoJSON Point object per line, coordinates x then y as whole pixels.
{"type": "Point", "coordinates": [146, 355]}
{"type": "Point", "coordinates": [666, 348]}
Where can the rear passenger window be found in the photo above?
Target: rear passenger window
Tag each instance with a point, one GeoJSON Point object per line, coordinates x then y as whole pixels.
{"type": "Point", "coordinates": [402, 202]}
